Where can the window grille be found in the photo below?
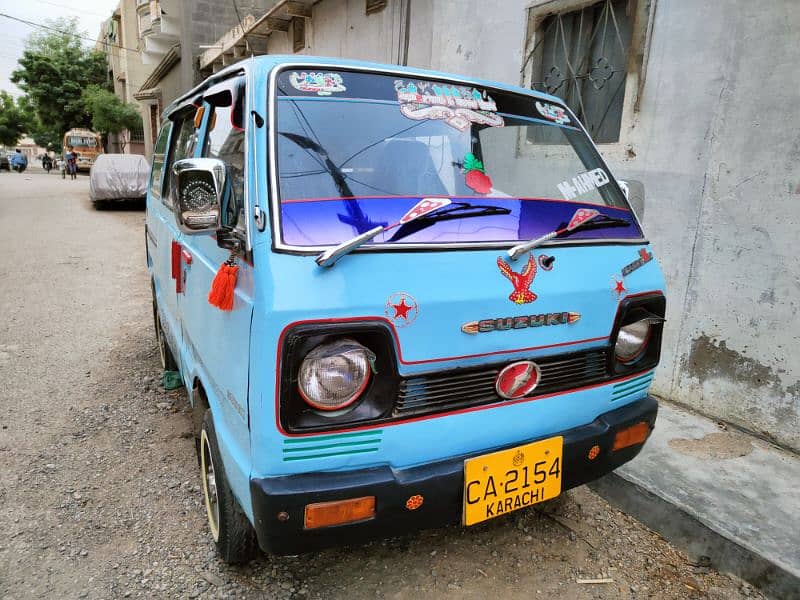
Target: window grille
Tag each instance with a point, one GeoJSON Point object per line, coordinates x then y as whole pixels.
{"type": "Point", "coordinates": [582, 57]}
{"type": "Point", "coordinates": [137, 134]}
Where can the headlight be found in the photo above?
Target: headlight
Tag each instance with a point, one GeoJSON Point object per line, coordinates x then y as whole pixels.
{"type": "Point", "coordinates": [632, 340]}
{"type": "Point", "coordinates": [333, 376]}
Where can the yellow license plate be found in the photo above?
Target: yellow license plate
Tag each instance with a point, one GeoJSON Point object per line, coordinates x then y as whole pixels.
{"type": "Point", "coordinates": [501, 482]}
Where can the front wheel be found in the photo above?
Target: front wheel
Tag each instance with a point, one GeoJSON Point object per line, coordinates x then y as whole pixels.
{"type": "Point", "coordinates": [233, 534]}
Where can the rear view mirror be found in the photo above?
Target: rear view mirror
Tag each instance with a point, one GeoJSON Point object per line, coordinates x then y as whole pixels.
{"type": "Point", "coordinates": [634, 192]}
{"type": "Point", "coordinates": [198, 188]}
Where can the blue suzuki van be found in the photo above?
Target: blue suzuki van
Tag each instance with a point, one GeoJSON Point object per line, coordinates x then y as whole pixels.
{"type": "Point", "coordinates": [398, 299]}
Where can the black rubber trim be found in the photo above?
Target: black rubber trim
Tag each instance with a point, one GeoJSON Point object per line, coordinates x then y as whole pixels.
{"type": "Point", "coordinates": [440, 483]}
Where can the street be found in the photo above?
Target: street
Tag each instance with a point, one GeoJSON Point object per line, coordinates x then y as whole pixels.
{"type": "Point", "coordinates": [100, 487]}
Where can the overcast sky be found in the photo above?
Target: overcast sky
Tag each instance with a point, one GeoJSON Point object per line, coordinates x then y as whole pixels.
{"type": "Point", "coordinates": [90, 13]}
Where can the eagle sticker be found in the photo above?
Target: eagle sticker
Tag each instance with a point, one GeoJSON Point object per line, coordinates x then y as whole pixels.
{"type": "Point", "coordinates": [521, 281]}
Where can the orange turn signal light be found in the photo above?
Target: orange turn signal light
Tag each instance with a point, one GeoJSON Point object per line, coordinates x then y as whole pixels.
{"type": "Point", "coordinates": [630, 436]}
{"type": "Point", "coordinates": [339, 512]}
{"type": "Point", "coordinates": [198, 116]}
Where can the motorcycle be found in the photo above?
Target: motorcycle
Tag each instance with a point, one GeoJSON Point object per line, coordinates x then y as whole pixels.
{"type": "Point", "coordinates": [47, 164]}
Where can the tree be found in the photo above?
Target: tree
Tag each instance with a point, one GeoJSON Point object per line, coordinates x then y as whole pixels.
{"type": "Point", "coordinates": [109, 113]}
{"type": "Point", "coordinates": [53, 72]}
{"type": "Point", "coordinates": [14, 121]}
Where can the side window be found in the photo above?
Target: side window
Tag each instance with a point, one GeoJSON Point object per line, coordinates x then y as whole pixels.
{"type": "Point", "coordinates": [159, 156]}
{"type": "Point", "coordinates": [184, 141]}
{"type": "Point", "coordinates": [225, 141]}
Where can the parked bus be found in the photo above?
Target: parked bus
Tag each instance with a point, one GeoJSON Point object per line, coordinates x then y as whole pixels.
{"type": "Point", "coordinates": [86, 143]}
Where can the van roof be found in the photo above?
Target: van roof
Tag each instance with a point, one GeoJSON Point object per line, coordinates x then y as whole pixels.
{"type": "Point", "coordinates": [264, 64]}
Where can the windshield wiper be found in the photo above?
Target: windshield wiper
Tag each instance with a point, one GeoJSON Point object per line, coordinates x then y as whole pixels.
{"type": "Point", "coordinates": [426, 212]}
{"type": "Point", "coordinates": [583, 219]}
{"type": "Point", "coordinates": [457, 210]}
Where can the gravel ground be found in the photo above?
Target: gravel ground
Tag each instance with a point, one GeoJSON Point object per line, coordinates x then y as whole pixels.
{"type": "Point", "coordinates": [100, 489]}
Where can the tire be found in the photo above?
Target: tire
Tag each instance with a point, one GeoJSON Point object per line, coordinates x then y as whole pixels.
{"type": "Point", "coordinates": [168, 362]}
{"type": "Point", "coordinates": [230, 529]}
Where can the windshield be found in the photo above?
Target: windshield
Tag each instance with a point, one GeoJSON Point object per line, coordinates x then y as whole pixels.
{"type": "Point", "coordinates": [357, 150]}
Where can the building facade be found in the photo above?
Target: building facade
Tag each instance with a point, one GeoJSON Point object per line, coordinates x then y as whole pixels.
{"type": "Point", "coordinates": [119, 40]}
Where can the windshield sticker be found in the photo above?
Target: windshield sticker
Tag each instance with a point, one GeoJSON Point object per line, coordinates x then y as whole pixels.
{"type": "Point", "coordinates": [475, 176]}
{"type": "Point", "coordinates": [457, 106]}
{"type": "Point", "coordinates": [644, 257]}
{"type": "Point", "coordinates": [583, 183]}
{"type": "Point", "coordinates": [553, 112]}
{"type": "Point", "coordinates": [506, 323]}
{"type": "Point", "coordinates": [423, 207]}
{"type": "Point", "coordinates": [323, 84]}
{"type": "Point", "coordinates": [401, 309]}
{"type": "Point", "coordinates": [521, 281]}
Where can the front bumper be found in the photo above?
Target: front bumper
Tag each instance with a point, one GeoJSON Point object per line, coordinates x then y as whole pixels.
{"type": "Point", "coordinates": [440, 483]}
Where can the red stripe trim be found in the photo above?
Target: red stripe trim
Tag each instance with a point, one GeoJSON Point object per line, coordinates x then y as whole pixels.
{"type": "Point", "coordinates": [498, 404]}
{"type": "Point", "coordinates": [438, 415]}
{"type": "Point", "coordinates": [430, 360]}
{"type": "Point", "coordinates": [333, 198]}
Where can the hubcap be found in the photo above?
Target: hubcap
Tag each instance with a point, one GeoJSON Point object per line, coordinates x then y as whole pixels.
{"type": "Point", "coordinates": [209, 486]}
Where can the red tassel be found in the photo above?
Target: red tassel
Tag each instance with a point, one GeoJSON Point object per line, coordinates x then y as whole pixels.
{"type": "Point", "coordinates": [221, 294]}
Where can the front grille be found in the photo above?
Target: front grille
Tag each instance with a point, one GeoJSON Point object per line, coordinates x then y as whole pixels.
{"type": "Point", "coordinates": [450, 390]}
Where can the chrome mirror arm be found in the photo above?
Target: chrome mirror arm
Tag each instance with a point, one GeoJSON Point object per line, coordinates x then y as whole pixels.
{"type": "Point", "coordinates": [329, 257]}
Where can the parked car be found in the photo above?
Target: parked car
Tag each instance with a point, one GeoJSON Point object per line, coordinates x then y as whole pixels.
{"type": "Point", "coordinates": [118, 178]}
{"type": "Point", "coordinates": [397, 298]}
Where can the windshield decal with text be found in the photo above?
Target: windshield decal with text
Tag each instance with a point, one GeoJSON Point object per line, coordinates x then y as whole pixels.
{"type": "Point", "coordinates": [457, 106]}
{"type": "Point", "coordinates": [553, 112]}
{"type": "Point", "coordinates": [583, 183]}
{"type": "Point", "coordinates": [323, 84]}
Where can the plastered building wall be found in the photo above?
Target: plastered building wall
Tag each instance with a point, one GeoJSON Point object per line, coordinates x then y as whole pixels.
{"type": "Point", "coordinates": [716, 140]}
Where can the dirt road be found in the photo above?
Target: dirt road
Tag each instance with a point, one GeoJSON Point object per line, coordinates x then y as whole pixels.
{"type": "Point", "coordinates": [99, 487]}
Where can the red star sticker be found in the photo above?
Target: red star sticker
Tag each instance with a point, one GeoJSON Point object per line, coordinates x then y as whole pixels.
{"type": "Point", "coordinates": [619, 287]}
{"type": "Point", "coordinates": [401, 309]}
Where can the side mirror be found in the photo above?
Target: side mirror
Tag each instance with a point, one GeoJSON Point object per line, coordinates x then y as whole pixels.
{"type": "Point", "coordinates": [634, 192]}
{"type": "Point", "coordinates": [199, 185]}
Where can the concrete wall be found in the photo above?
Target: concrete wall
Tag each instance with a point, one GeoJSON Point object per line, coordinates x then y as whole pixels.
{"type": "Point", "coordinates": [718, 144]}
{"type": "Point", "coordinates": [205, 22]}
{"type": "Point", "coordinates": [716, 141]}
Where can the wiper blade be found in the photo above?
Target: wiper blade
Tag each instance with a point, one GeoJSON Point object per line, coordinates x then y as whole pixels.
{"type": "Point", "coordinates": [425, 206]}
{"type": "Point", "coordinates": [456, 210]}
{"type": "Point", "coordinates": [583, 219]}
